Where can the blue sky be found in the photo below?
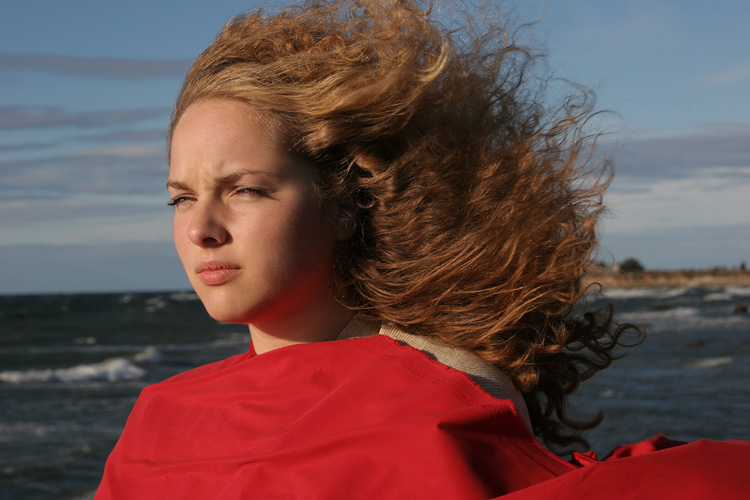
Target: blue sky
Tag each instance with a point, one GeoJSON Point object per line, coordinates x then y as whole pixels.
{"type": "Point", "coordinates": [86, 88]}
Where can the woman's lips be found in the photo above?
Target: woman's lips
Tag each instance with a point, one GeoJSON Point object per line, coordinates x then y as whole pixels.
{"type": "Point", "coordinates": [217, 273]}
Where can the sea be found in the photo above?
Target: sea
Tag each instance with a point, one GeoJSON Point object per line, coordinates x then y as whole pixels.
{"type": "Point", "coordinates": [71, 367]}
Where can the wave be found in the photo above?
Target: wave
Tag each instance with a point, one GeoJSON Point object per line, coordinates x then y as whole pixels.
{"type": "Point", "coordinates": [110, 370]}
{"type": "Point", "coordinates": [158, 301]}
{"type": "Point", "coordinates": [718, 296]}
{"type": "Point", "coordinates": [610, 393]}
{"type": "Point", "coordinates": [705, 363]}
{"type": "Point", "coordinates": [738, 291]}
{"type": "Point", "coordinates": [87, 346]}
{"type": "Point", "coordinates": [87, 496]}
{"type": "Point", "coordinates": [686, 319]}
{"type": "Point", "coordinates": [715, 294]}
{"type": "Point", "coordinates": [644, 293]}
{"type": "Point", "coordinates": [674, 313]}
{"type": "Point", "coordinates": [238, 339]}
{"type": "Point", "coordinates": [183, 296]}
{"type": "Point", "coordinates": [154, 304]}
{"type": "Point", "coordinates": [149, 355]}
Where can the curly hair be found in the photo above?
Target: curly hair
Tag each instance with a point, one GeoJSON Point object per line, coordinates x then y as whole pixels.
{"type": "Point", "coordinates": [475, 200]}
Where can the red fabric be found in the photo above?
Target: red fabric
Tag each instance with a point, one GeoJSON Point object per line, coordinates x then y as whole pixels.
{"type": "Point", "coordinates": [362, 418]}
{"type": "Point", "coordinates": [701, 470]}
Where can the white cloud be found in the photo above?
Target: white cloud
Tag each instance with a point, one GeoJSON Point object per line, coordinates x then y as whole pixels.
{"type": "Point", "coordinates": [119, 169]}
{"type": "Point", "coordinates": [90, 230]}
{"type": "Point", "coordinates": [706, 199]}
{"type": "Point", "coordinates": [722, 148]}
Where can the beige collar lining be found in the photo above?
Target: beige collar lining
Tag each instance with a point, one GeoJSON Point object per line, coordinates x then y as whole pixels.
{"type": "Point", "coordinates": [485, 374]}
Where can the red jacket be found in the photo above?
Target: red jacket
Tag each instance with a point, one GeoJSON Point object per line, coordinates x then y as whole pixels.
{"type": "Point", "coordinates": [370, 418]}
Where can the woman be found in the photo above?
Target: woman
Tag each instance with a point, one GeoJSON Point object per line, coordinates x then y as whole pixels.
{"type": "Point", "coordinates": [391, 209]}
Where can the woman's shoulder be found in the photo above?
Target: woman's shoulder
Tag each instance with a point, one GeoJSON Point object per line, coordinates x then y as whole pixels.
{"type": "Point", "coordinates": [430, 357]}
{"type": "Point", "coordinates": [366, 408]}
{"type": "Point", "coordinates": [394, 370]}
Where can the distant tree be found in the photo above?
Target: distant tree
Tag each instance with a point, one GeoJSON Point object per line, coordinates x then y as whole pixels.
{"type": "Point", "coordinates": [743, 267]}
{"type": "Point", "coordinates": [631, 265]}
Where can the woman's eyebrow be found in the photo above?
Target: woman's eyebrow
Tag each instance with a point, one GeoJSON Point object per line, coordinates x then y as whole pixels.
{"type": "Point", "coordinates": [177, 185]}
{"type": "Point", "coordinates": [234, 177]}
{"type": "Point", "coordinates": [226, 179]}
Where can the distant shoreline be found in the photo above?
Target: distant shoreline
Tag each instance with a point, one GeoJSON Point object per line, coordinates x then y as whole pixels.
{"type": "Point", "coordinates": [667, 279]}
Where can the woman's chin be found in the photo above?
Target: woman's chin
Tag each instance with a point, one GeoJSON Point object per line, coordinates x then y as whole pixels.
{"type": "Point", "coordinates": [224, 311]}
{"type": "Point", "coordinates": [228, 316]}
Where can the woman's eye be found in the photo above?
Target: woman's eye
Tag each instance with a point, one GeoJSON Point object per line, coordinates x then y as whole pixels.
{"type": "Point", "coordinates": [178, 200]}
{"type": "Point", "coordinates": [251, 191]}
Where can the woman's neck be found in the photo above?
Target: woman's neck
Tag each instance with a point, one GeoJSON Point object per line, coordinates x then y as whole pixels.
{"type": "Point", "coordinates": [322, 323]}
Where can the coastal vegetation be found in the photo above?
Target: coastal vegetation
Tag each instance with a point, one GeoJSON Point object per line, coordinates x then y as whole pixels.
{"type": "Point", "coordinates": [630, 273]}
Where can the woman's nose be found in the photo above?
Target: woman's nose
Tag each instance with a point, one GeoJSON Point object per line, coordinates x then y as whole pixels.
{"type": "Point", "coordinates": [206, 228]}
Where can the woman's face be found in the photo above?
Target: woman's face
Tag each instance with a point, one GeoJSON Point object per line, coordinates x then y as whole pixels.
{"type": "Point", "coordinates": [255, 241]}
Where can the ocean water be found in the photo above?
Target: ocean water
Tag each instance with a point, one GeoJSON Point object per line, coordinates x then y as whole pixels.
{"type": "Point", "coordinates": [71, 367]}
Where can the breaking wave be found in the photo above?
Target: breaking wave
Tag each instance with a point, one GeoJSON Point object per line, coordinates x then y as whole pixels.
{"type": "Point", "coordinates": [109, 370]}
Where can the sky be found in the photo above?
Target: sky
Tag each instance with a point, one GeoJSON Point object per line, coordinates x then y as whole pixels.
{"type": "Point", "coordinates": [86, 88]}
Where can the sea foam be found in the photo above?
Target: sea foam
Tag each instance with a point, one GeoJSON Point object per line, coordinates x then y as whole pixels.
{"type": "Point", "coordinates": [739, 291]}
{"type": "Point", "coordinates": [644, 293]}
{"type": "Point", "coordinates": [670, 314]}
{"type": "Point", "coordinates": [706, 363]}
{"type": "Point", "coordinates": [110, 370]}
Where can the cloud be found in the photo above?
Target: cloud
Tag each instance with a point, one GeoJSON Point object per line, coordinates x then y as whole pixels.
{"type": "Point", "coordinates": [682, 202]}
{"type": "Point", "coordinates": [16, 117]}
{"type": "Point", "coordinates": [90, 222]}
{"type": "Point", "coordinates": [118, 68]}
{"type": "Point", "coordinates": [49, 211]}
{"type": "Point", "coordinates": [120, 169]}
{"type": "Point", "coordinates": [721, 151]}
{"type": "Point", "coordinates": [25, 146]}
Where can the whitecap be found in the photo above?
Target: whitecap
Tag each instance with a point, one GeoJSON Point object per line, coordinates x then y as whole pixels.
{"type": "Point", "coordinates": [240, 339]}
{"type": "Point", "coordinates": [610, 393]}
{"type": "Point", "coordinates": [126, 298]}
{"type": "Point", "coordinates": [717, 296]}
{"type": "Point", "coordinates": [674, 313]}
{"type": "Point", "coordinates": [87, 496]}
{"type": "Point", "coordinates": [643, 293]}
{"type": "Point", "coordinates": [628, 293]}
{"type": "Point", "coordinates": [738, 291]}
{"type": "Point", "coordinates": [155, 303]}
{"type": "Point", "coordinates": [705, 363]}
{"type": "Point", "coordinates": [685, 319]}
{"type": "Point", "coordinates": [110, 370]}
{"type": "Point", "coordinates": [148, 355]}
{"type": "Point", "coordinates": [84, 340]}
{"type": "Point", "coordinates": [183, 296]}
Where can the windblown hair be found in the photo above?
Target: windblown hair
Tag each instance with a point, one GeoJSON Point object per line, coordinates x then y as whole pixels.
{"type": "Point", "coordinates": [475, 200]}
